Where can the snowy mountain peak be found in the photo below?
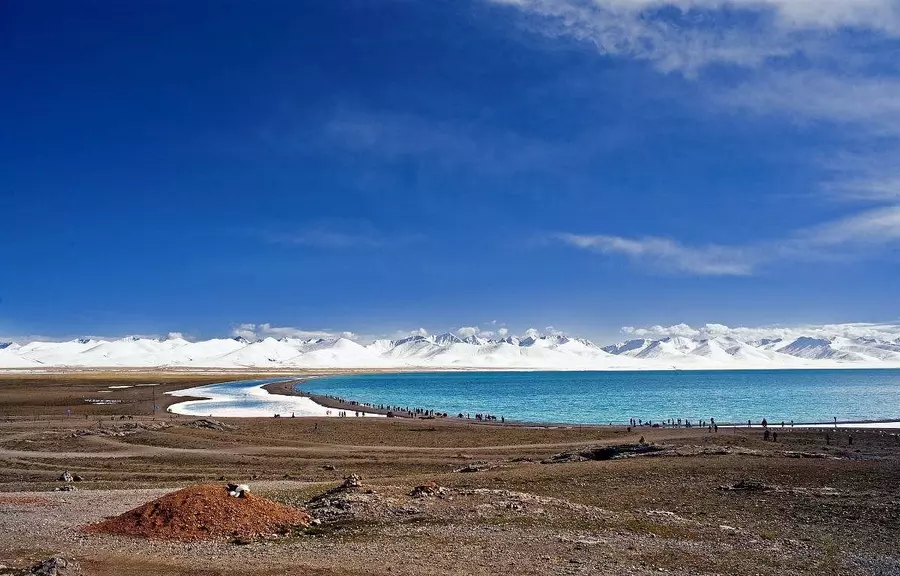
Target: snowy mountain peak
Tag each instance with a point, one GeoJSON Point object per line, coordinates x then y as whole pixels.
{"type": "Point", "coordinates": [450, 350]}
{"type": "Point", "coordinates": [447, 338]}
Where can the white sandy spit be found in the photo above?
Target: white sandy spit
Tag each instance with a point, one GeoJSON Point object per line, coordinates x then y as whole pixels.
{"type": "Point", "coordinates": [247, 399]}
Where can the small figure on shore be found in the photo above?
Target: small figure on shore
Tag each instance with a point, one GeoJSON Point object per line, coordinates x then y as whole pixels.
{"type": "Point", "coordinates": [749, 424]}
{"type": "Point", "coordinates": [641, 441]}
{"type": "Point", "coordinates": [774, 436]}
{"type": "Point", "coordinates": [502, 420]}
{"type": "Point", "coordinates": [792, 423]}
{"type": "Point", "coordinates": [765, 424]}
{"type": "Point", "coordinates": [835, 421]}
{"type": "Point", "coordinates": [766, 435]}
{"type": "Point", "coordinates": [827, 440]}
{"type": "Point", "coordinates": [849, 439]}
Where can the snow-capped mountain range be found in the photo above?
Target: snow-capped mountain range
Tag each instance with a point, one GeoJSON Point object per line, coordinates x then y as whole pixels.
{"type": "Point", "coordinates": [449, 350]}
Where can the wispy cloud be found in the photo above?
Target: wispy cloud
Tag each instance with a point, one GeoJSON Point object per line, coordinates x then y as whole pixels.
{"type": "Point", "coordinates": [392, 136]}
{"type": "Point", "coordinates": [664, 254]}
{"type": "Point", "coordinates": [885, 331]}
{"type": "Point", "coordinates": [815, 64]}
{"type": "Point", "coordinates": [688, 35]}
{"type": "Point", "coordinates": [252, 332]}
{"type": "Point", "coordinates": [340, 234]}
{"type": "Point", "coordinates": [870, 104]}
{"type": "Point", "coordinates": [329, 239]}
{"type": "Point", "coordinates": [858, 236]}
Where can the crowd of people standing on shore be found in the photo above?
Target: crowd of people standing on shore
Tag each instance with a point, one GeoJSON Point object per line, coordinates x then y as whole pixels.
{"type": "Point", "coordinates": [482, 417]}
{"type": "Point", "coordinates": [390, 410]}
{"type": "Point", "coordinates": [675, 423]}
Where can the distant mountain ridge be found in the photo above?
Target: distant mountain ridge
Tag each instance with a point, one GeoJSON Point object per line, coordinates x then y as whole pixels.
{"type": "Point", "coordinates": [450, 350]}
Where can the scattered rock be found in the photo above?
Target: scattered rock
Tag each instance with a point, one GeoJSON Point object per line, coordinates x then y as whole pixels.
{"type": "Point", "coordinates": [747, 486]}
{"type": "Point", "coordinates": [56, 566]}
{"type": "Point", "coordinates": [604, 453]}
{"type": "Point", "coordinates": [429, 489]}
{"type": "Point", "coordinates": [121, 430]}
{"type": "Point", "coordinates": [353, 501]}
{"type": "Point", "coordinates": [77, 478]}
{"type": "Point", "coordinates": [209, 424]}
{"type": "Point", "coordinates": [329, 467]}
{"type": "Point", "coordinates": [66, 488]}
{"type": "Point", "coordinates": [65, 477]}
{"type": "Point", "coordinates": [475, 467]}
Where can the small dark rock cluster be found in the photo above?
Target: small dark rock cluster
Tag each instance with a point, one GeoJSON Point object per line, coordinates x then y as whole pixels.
{"type": "Point", "coordinates": [604, 453]}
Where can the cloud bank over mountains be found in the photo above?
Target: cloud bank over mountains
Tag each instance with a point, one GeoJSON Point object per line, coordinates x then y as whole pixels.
{"type": "Point", "coordinates": [711, 346]}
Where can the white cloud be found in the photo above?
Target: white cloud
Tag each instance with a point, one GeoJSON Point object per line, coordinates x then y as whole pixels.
{"type": "Point", "coordinates": [794, 66]}
{"type": "Point", "coordinates": [420, 332]}
{"type": "Point", "coordinates": [876, 226]}
{"type": "Point", "coordinates": [858, 236]}
{"type": "Point", "coordinates": [330, 239]}
{"type": "Point", "coordinates": [266, 330]}
{"type": "Point", "coordinates": [887, 331]}
{"type": "Point", "coordinates": [503, 332]}
{"type": "Point", "coordinates": [663, 254]}
{"type": "Point", "coordinates": [869, 103]}
{"type": "Point", "coordinates": [391, 136]}
{"type": "Point", "coordinates": [467, 331]}
{"type": "Point", "coordinates": [698, 33]}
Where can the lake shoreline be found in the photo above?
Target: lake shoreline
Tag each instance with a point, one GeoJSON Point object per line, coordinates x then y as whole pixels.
{"type": "Point", "coordinates": [289, 388]}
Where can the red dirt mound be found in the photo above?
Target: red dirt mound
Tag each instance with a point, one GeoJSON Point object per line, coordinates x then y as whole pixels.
{"type": "Point", "coordinates": [202, 512]}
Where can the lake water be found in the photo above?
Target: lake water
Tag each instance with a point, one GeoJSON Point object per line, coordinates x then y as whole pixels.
{"type": "Point", "coordinates": [603, 397]}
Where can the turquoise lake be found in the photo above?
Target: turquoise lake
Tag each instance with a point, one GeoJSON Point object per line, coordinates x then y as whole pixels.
{"type": "Point", "coordinates": [604, 397]}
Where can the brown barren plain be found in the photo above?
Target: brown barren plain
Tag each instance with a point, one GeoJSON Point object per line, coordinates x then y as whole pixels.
{"type": "Point", "coordinates": [700, 503]}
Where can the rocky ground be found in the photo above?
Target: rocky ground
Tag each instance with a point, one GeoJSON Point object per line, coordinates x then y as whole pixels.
{"type": "Point", "coordinates": [439, 497]}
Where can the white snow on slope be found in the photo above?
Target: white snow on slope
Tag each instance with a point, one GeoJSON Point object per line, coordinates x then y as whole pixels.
{"type": "Point", "coordinates": [712, 348]}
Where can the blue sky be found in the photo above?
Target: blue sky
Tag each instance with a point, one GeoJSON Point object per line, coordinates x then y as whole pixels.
{"type": "Point", "coordinates": [380, 166]}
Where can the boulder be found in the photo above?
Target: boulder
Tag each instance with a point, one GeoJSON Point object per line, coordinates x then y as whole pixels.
{"type": "Point", "coordinates": [65, 477]}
